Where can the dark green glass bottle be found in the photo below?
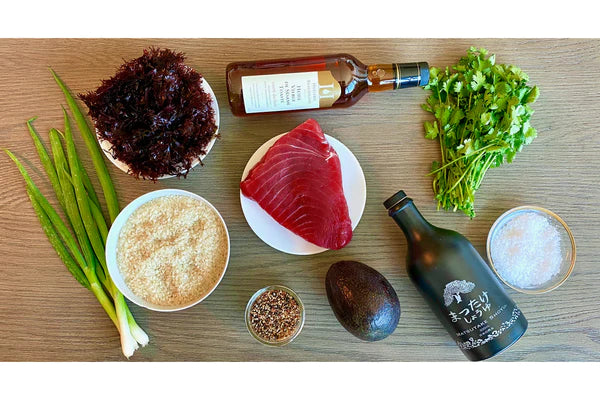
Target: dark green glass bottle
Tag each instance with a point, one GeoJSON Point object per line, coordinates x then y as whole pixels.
{"type": "Point", "coordinates": [457, 284]}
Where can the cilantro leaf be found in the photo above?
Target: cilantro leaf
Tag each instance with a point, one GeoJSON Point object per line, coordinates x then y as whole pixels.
{"type": "Point", "coordinates": [478, 81]}
{"type": "Point", "coordinates": [431, 130]}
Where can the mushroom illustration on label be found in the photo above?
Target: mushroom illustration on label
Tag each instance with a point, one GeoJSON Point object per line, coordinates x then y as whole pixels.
{"type": "Point", "coordinates": [454, 289]}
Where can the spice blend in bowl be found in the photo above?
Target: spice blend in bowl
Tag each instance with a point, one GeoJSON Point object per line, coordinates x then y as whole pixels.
{"type": "Point", "coordinates": [159, 115]}
{"type": "Point", "coordinates": [275, 315]}
{"type": "Point", "coordinates": [170, 251]}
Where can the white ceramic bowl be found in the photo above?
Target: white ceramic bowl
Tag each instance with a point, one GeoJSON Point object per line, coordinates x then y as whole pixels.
{"type": "Point", "coordinates": [106, 146]}
{"type": "Point", "coordinates": [282, 239]}
{"type": "Point", "coordinates": [113, 238]}
{"type": "Point", "coordinates": [568, 248]}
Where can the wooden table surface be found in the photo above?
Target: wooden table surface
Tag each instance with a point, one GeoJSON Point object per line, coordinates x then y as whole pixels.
{"type": "Point", "coordinates": [46, 316]}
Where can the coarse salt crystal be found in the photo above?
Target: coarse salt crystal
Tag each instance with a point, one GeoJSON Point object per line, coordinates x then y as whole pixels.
{"type": "Point", "coordinates": [526, 251]}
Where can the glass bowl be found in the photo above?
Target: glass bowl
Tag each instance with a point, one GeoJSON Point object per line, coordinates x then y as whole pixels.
{"type": "Point", "coordinates": [286, 340]}
{"type": "Point", "coordinates": [567, 248]}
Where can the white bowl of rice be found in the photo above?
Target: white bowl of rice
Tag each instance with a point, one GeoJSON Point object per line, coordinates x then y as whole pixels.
{"type": "Point", "coordinates": [167, 250]}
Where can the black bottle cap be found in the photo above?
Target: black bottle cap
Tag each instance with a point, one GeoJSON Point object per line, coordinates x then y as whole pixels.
{"type": "Point", "coordinates": [395, 199]}
{"type": "Point", "coordinates": [411, 75]}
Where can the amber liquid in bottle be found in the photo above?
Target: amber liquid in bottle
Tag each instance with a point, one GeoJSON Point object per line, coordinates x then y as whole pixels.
{"type": "Point", "coordinates": [339, 80]}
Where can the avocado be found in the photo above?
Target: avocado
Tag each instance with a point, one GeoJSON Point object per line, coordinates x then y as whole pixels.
{"type": "Point", "coordinates": [362, 300]}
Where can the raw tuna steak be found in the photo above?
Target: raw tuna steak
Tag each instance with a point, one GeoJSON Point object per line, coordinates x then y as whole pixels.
{"type": "Point", "coordinates": [299, 183]}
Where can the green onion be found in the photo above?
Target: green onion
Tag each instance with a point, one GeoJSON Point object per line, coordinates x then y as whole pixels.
{"type": "Point", "coordinates": [72, 209]}
{"type": "Point", "coordinates": [46, 162]}
{"type": "Point", "coordinates": [83, 253]}
{"type": "Point", "coordinates": [95, 210]}
{"type": "Point", "coordinates": [93, 147]}
{"type": "Point", "coordinates": [61, 228]}
{"type": "Point", "coordinates": [86, 179]}
{"type": "Point", "coordinates": [58, 245]}
{"type": "Point", "coordinates": [82, 201]}
{"type": "Point", "coordinates": [64, 233]}
{"type": "Point", "coordinates": [99, 220]}
{"type": "Point", "coordinates": [138, 333]}
{"type": "Point", "coordinates": [128, 342]}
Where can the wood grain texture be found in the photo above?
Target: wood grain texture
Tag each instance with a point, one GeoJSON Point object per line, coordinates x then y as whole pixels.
{"type": "Point", "coordinates": [46, 316]}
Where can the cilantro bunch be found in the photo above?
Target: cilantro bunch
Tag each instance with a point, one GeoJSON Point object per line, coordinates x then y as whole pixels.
{"type": "Point", "coordinates": [482, 118]}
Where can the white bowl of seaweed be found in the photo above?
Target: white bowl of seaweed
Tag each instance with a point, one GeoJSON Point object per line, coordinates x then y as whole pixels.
{"type": "Point", "coordinates": [156, 117]}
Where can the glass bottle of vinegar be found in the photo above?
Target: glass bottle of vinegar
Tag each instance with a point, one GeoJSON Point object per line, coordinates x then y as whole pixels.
{"type": "Point", "coordinates": [457, 284]}
{"type": "Point", "coordinates": [337, 80]}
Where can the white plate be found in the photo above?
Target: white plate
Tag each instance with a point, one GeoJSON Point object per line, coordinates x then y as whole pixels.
{"type": "Point", "coordinates": [113, 239]}
{"type": "Point", "coordinates": [106, 146]}
{"type": "Point", "coordinates": [282, 239]}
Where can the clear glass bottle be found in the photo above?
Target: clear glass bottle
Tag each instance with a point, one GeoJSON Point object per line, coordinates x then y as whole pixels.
{"type": "Point", "coordinates": [337, 80]}
{"type": "Point", "coordinates": [457, 284]}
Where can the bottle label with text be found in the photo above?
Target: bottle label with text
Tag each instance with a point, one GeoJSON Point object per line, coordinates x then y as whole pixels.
{"type": "Point", "coordinates": [474, 312]}
{"type": "Point", "coordinates": [293, 91]}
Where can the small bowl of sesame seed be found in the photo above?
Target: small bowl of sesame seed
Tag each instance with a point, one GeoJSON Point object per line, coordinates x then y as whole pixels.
{"type": "Point", "coordinates": [275, 315]}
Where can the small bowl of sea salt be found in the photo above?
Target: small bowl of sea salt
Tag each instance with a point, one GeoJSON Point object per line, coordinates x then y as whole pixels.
{"type": "Point", "coordinates": [531, 249]}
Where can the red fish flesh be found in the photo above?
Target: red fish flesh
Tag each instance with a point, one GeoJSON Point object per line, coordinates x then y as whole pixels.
{"type": "Point", "coordinates": [298, 182]}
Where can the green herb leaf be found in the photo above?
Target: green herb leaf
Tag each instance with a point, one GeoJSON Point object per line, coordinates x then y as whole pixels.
{"type": "Point", "coordinates": [431, 130]}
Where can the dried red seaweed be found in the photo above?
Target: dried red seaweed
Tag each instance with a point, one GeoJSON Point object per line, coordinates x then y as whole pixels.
{"type": "Point", "coordinates": [154, 113]}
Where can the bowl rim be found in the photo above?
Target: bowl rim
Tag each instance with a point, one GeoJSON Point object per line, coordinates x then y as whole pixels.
{"type": "Point", "coordinates": [105, 144]}
{"type": "Point", "coordinates": [253, 299]}
{"type": "Point", "coordinates": [113, 239]}
{"type": "Point", "coordinates": [552, 215]}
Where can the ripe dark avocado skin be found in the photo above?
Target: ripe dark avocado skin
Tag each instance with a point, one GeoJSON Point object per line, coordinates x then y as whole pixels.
{"type": "Point", "coordinates": [362, 300]}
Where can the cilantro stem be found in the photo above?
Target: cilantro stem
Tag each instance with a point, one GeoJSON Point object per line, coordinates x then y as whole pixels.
{"type": "Point", "coordinates": [460, 158]}
{"type": "Point", "coordinates": [441, 128]}
{"type": "Point", "coordinates": [483, 170]}
{"type": "Point", "coordinates": [471, 164]}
